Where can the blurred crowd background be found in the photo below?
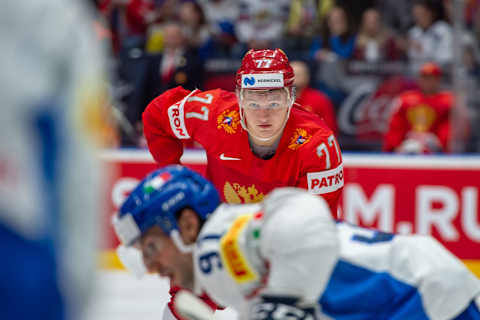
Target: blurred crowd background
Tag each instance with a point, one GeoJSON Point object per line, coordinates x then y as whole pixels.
{"type": "Point", "coordinates": [354, 60]}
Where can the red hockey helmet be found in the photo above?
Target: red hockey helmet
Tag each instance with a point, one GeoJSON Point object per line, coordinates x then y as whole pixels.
{"type": "Point", "coordinates": [264, 69]}
{"type": "Point", "coordinates": [430, 69]}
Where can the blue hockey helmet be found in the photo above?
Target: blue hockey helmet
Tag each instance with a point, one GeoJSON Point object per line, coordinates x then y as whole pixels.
{"type": "Point", "coordinates": [158, 198]}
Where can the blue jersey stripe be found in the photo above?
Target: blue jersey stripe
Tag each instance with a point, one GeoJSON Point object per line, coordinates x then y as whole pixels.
{"type": "Point", "coordinates": [46, 125]}
{"type": "Point", "coordinates": [215, 237]}
{"type": "Point", "coordinates": [28, 280]}
{"type": "Point", "coordinates": [470, 313]}
{"type": "Point", "coordinates": [356, 293]}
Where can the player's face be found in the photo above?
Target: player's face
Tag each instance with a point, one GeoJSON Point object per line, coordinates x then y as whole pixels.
{"type": "Point", "coordinates": [422, 15]}
{"type": "Point", "coordinates": [161, 256]}
{"type": "Point", "coordinates": [265, 112]}
{"type": "Point", "coordinates": [429, 84]}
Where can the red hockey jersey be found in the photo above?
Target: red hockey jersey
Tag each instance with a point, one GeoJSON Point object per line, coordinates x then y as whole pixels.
{"type": "Point", "coordinates": [308, 155]}
{"type": "Point", "coordinates": [416, 112]}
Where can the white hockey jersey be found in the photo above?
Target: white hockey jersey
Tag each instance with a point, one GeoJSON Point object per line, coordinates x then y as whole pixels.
{"type": "Point", "coordinates": [51, 86]}
{"type": "Point", "coordinates": [289, 246]}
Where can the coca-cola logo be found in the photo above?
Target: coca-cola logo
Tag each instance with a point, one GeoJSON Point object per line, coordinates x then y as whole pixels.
{"type": "Point", "coordinates": [366, 110]}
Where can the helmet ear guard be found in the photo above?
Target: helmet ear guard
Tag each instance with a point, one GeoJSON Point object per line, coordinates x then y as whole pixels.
{"type": "Point", "coordinates": [126, 229]}
{"type": "Point", "coordinates": [132, 260]}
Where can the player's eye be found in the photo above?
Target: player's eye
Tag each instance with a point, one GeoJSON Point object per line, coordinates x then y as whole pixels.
{"type": "Point", "coordinates": [253, 105]}
{"type": "Point", "coordinates": [274, 105]}
{"type": "Point", "coordinates": [150, 249]}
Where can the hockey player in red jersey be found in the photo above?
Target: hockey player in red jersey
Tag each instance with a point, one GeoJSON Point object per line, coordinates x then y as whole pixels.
{"type": "Point", "coordinates": [256, 139]}
{"type": "Point", "coordinates": [421, 121]}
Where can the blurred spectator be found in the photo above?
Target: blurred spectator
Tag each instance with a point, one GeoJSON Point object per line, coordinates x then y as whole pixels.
{"type": "Point", "coordinates": [471, 60]}
{"type": "Point", "coordinates": [396, 15]}
{"type": "Point", "coordinates": [150, 75]}
{"type": "Point", "coordinates": [306, 16]}
{"type": "Point", "coordinates": [471, 52]}
{"type": "Point", "coordinates": [139, 14]}
{"type": "Point", "coordinates": [165, 11]}
{"type": "Point", "coordinates": [221, 16]}
{"type": "Point", "coordinates": [374, 41]}
{"type": "Point", "coordinates": [329, 52]}
{"type": "Point", "coordinates": [420, 122]}
{"type": "Point", "coordinates": [129, 20]}
{"type": "Point", "coordinates": [311, 99]}
{"type": "Point", "coordinates": [472, 8]}
{"type": "Point", "coordinates": [178, 65]}
{"type": "Point", "coordinates": [475, 23]}
{"type": "Point", "coordinates": [431, 38]}
{"type": "Point", "coordinates": [304, 20]}
{"type": "Point", "coordinates": [356, 9]}
{"type": "Point", "coordinates": [196, 29]}
{"type": "Point", "coordinates": [261, 24]}
{"type": "Point", "coordinates": [218, 11]}
{"type": "Point", "coordinates": [337, 39]}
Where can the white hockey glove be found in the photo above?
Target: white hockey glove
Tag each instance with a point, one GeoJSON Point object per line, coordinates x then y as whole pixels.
{"type": "Point", "coordinates": [190, 307]}
{"type": "Point", "coordinates": [420, 142]}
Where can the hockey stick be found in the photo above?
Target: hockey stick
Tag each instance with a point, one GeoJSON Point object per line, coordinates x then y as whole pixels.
{"type": "Point", "coordinates": [191, 307]}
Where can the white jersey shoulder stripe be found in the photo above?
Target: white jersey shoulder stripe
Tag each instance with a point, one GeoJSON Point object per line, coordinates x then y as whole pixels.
{"type": "Point", "coordinates": [176, 116]}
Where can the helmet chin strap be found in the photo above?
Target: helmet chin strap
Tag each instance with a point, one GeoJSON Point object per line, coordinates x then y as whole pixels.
{"type": "Point", "coordinates": [274, 135]}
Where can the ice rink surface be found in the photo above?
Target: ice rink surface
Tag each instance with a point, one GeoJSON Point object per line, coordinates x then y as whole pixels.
{"type": "Point", "coordinates": [120, 296]}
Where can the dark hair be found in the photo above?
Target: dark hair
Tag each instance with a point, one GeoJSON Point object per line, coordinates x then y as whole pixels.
{"type": "Point", "coordinates": [434, 6]}
{"type": "Point", "coordinates": [325, 30]}
{"type": "Point", "coordinates": [199, 10]}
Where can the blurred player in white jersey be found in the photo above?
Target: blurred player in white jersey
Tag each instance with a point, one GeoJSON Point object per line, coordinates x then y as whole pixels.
{"type": "Point", "coordinates": [269, 262]}
{"type": "Point", "coordinates": [51, 108]}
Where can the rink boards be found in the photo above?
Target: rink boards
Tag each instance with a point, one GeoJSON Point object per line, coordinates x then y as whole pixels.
{"type": "Point", "coordinates": [434, 195]}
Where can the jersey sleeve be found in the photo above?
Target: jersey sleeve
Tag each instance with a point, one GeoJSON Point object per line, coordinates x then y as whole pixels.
{"type": "Point", "coordinates": [428, 262]}
{"type": "Point", "coordinates": [301, 249]}
{"type": "Point", "coordinates": [444, 128]}
{"type": "Point", "coordinates": [163, 144]}
{"type": "Point", "coordinates": [443, 133]}
{"type": "Point", "coordinates": [397, 127]}
{"type": "Point", "coordinates": [177, 116]}
{"type": "Point", "coordinates": [322, 169]}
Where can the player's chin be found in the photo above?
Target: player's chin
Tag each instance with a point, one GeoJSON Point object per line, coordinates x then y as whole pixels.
{"type": "Point", "coordinates": [265, 131]}
{"type": "Point", "coordinates": [177, 281]}
{"type": "Point", "coordinates": [174, 281]}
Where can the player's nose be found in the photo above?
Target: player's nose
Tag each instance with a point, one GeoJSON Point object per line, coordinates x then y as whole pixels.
{"type": "Point", "coordinates": [264, 113]}
{"type": "Point", "coordinates": [150, 264]}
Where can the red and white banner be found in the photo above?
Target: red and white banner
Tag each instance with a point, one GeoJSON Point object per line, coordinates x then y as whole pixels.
{"type": "Point", "coordinates": [435, 195]}
{"type": "Point", "coordinates": [425, 195]}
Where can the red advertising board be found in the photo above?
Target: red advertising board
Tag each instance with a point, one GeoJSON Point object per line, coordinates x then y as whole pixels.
{"type": "Point", "coordinates": [435, 195]}
{"type": "Point", "coordinates": [425, 195]}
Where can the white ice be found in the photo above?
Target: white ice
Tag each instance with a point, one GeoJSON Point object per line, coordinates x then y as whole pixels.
{"type": "Point", "coordinates": [120, 296]}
